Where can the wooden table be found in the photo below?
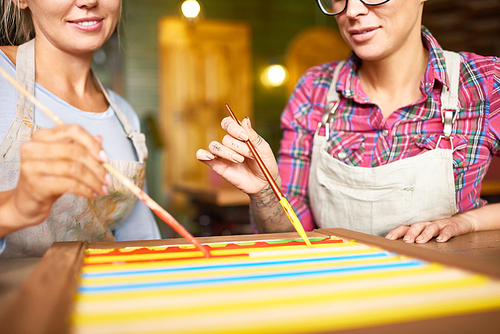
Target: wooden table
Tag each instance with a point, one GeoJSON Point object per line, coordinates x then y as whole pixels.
{"type": "Point", "coordinates": [481, 246]}
{"type": "Point", "coordinates": [479, 250]}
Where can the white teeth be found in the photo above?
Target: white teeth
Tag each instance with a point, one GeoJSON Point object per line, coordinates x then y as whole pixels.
{"type": "Point", "coordinates": [87, 23]}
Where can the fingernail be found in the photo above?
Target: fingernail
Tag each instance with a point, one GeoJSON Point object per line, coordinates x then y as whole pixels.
{"type": "Point", "coordinates": [108, 179]}
{"type": "Point", "coordinates": [243, 136]}
{"type": "Point", "coordinates": [439, 238]}
{"type": "Point", "coordinates": [248, 121]}
{"type": "Point", "coordinates": [105, 190]}
{"type": "Point", "coordinates": [104, 156]}
{"type": "Point", "coordinates": [389, 236]}
{"type": "Point", "coordinates": [419, 238]}
{"type": "Point", "coordinates": [210, 156]}
{"type": "Point", "coordinates": [406, 239]}
{"type": "Point", "coordinates": [238, 158]}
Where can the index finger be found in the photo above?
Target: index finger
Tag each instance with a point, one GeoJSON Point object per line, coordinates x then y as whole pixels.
{"type": "Point", "coordinates": [75, 134]}
{"type": "Point", "coordinates": [447, 232]}
{"type": "Point", "coordinates": [398, 232]}
{"type": "Point", "coordinates": [234, 129]}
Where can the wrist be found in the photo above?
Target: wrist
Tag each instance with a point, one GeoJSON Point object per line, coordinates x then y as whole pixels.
{"type": "Point", "coordinates": [266, 195]}
{"type": "Point", "coordinates": [468, 219]}
{"type": "Point", "coordinates": [16, 214]}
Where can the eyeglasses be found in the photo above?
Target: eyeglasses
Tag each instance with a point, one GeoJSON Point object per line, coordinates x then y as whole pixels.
{"type": "Point", "coordinates": [335, 7]}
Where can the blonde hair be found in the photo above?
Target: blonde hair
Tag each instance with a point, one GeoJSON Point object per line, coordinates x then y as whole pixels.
{"type": "Point", "coordinates": [16, 25]}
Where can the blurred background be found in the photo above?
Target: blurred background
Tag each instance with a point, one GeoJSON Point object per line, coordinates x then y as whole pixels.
{"type": "Point", "coordinates": [178, 62]}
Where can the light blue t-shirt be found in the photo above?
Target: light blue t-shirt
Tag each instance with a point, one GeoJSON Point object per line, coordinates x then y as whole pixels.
{"type": "Point", "coordinates": [141, 224]}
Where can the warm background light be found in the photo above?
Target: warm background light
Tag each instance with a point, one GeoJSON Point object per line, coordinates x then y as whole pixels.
{"type": "Point", "coordinates": [190, 9]}
{"type": "Point", "coordinates": [274, 75]}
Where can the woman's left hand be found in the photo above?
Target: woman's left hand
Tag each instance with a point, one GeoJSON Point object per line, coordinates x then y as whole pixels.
{"type": "Point", "coordinates": [443, 229]}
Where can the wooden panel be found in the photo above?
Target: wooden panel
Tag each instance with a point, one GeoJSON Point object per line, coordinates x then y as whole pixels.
{"type": "Point", "coordinates": [491, 182]}
{"type": "Point", "coordinates": [44, 303]}
{"type": "Point", "coordinates": [202, 66]}
{"type": "Point", "coordinates": [464, 25]}
{"type": "Point", "coordinates": [312, 47]}
{"type": "Point", "coordinates": [62, 262]}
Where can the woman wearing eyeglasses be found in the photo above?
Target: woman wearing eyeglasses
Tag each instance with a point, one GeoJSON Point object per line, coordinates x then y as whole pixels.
{"type": "Point", "coordinates": [393, 141]}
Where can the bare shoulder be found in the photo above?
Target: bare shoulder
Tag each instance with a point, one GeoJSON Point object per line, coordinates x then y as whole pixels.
{"type": "Point", "coordinates": [10, 51]}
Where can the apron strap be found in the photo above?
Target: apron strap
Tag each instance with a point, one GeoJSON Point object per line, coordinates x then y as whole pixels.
{"type": "Point", "coordinates": [138, 139]}
{"type": "Point", "coordinates": [332, 101]}
{"type": "Point", "coordinates": [449, 95]}
{"type": "Point", "coordinates": [25, 75]}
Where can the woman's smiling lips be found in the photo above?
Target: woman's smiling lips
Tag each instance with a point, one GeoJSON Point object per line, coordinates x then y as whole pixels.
{"type": "Point", "coordinates": [88, 24]}
{"type": "Point", "coordinates": [360, 35]}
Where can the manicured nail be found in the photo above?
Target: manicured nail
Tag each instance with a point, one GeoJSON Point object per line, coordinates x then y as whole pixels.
{"type": "Point", "coordinates": [243, 136]}
{"type": "Point", "coordinates": [238, 158]}
{"type": "Point", "coordinates": [210, 156]}
{"type": "Point", "coordinates": [104, 156]}
{"type": "Point", "coordinates": [419, 238]}
{"type": "Point", "coordinates": [389, 236]}
{"type": "Point", "coordinates": [105, 190]}
{"type": "Point", "coordinates": [248, 121]}
{"type": "Point", "coordinates": [439, 238]}
{"type": "Point", "coordinates": [108, 179]}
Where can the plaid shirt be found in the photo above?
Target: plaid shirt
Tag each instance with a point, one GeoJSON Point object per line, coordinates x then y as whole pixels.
{"type": "Point", "coordinates": [361, 136]}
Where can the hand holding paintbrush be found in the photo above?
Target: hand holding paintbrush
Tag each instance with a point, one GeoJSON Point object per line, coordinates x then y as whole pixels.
{"type": "Point", "coordinates": [277, 191]}
{"type": "Point", "coordinates": [252, 177]}
{"type": "Point", "coordinates": [141, 195]}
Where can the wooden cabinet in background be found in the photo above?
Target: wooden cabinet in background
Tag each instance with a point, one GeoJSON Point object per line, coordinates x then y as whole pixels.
{"type": "Point", "coordinates": [203, 65]}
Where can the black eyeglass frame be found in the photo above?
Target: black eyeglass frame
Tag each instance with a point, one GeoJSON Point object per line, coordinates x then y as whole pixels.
{"type": "Point", "coordinates": [346, 1]}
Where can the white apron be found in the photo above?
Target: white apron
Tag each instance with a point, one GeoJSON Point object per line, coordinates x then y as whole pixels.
{"type": "Point", "coordinates": [377, 200]}
{"type": "Point", "coordinates": [72, 218]}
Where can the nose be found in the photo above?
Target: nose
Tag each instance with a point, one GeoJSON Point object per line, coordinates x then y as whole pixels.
{"type": "Point", "coordinates": [86, 3]}
{"type": "Point", "coordinates": [355, 8]}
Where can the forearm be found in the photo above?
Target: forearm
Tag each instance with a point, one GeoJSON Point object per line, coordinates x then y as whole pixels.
{"type": "Point", "coordinates": [267, 213]}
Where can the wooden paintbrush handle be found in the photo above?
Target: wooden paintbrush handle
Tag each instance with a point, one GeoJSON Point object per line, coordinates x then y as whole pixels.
{"type": "Point", "coordinates": [260, 162]}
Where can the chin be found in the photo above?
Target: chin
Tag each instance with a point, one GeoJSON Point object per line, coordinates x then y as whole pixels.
{"type": "Point", "coordinates": [84, 46]}
{"type": "Point", "coordinates": [369, 53]}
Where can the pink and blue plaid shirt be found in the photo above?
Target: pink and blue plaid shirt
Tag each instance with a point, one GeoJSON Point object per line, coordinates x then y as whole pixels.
{"type": "Point", "coordinates": [360, 135]}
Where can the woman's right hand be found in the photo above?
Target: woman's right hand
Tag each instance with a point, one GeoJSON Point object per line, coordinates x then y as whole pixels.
{"type": "Point", "coordinates": [63, 159]}
{"type": "Point", "coordinates": [233, 160]}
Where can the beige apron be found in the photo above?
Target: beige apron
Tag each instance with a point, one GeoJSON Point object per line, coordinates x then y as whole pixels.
{"type": "Point", "coordinates": [377, 200]}
{"type": "Point", "coordinates": [72, 218]}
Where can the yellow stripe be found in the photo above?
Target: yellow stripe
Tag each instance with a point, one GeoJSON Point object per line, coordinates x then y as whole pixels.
{"type": "Point", "coordinates": [215, 252]}
{"type": "Point", "coordinates": [213, 274]}
{"type": "Point", "coordinates": [144, 266]}
{"type": "Point", "coordinates": [271, 284]}
{"type": "Point", "coordinates": [97, 251]}
{"type": "Point", "coordinates": [371, 315]}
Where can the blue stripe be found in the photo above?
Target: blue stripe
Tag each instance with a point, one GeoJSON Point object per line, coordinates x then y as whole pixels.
{"type": "Point", "coordinates": [218, 280]}
{"type": "Point", "coordinates": [239, 265]}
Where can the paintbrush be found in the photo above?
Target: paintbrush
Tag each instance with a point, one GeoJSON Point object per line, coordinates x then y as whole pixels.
{"type": "Point", "coordinates": [277, 191]}
{"type": "Point", "coordinates": [138, 192]}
